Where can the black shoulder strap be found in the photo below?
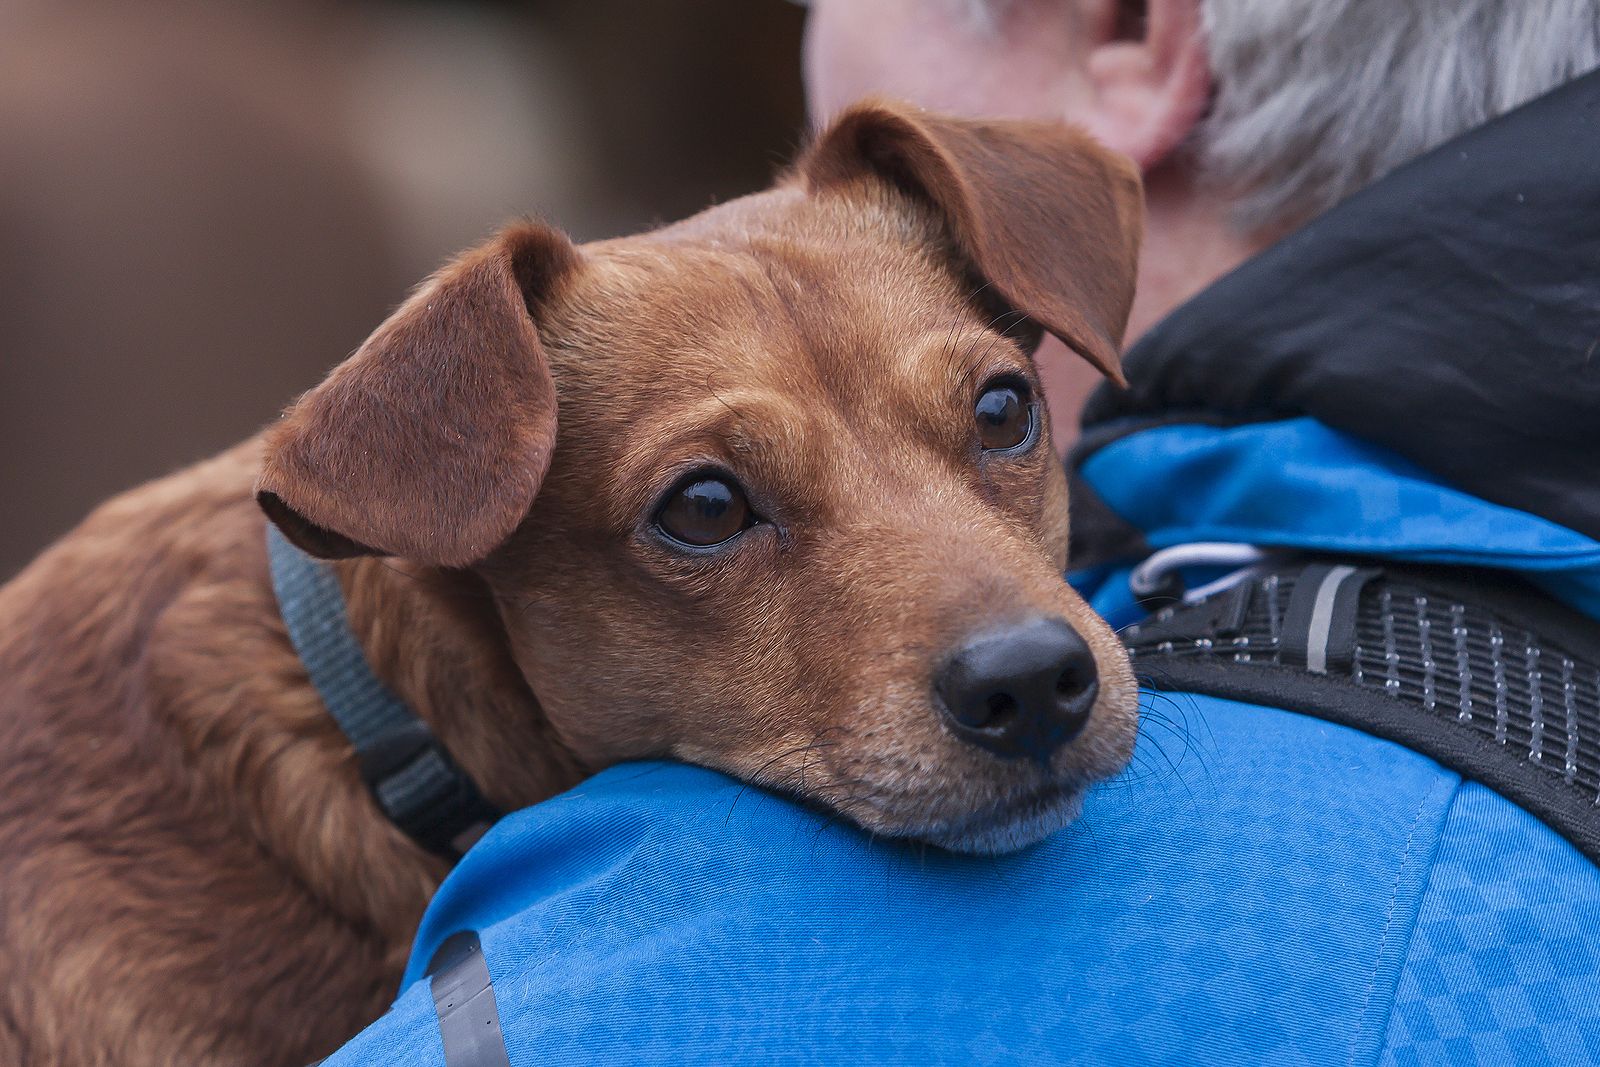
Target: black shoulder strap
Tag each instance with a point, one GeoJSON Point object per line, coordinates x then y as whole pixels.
{"type": "Point", "coordinates": [1474, 669]}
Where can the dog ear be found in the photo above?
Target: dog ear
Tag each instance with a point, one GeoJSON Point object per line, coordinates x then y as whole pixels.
{"type": "Point", "coordinates": [431, 441]}
{"type": "Point", "coordinates": [1046, 216]}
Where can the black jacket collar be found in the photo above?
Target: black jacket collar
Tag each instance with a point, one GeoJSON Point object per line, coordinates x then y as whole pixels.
{"type": "Point", "coordinates": [1450, 312]}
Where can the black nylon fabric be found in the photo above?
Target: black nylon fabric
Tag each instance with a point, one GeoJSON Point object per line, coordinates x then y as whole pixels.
{"type": "Point", "coordinates": [1450, 312]}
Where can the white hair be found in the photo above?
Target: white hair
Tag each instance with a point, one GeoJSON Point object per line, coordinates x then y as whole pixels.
{"type": "Point", "coordinates": [1315, 99]}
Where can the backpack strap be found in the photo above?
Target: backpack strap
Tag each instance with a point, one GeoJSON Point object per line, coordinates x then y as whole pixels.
{"type": "Point", "coordinates": [1474, 669]}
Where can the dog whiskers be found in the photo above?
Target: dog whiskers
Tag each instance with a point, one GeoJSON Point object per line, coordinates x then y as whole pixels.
{"type": "Point", "coordinates": [785, 783]}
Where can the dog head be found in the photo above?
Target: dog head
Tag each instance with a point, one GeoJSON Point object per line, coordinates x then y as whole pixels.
{"type": "Point", "coordinates": [772, 489]}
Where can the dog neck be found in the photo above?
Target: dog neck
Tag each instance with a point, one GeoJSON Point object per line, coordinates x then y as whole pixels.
{"type": "Point", "coordinates": [435, 639]}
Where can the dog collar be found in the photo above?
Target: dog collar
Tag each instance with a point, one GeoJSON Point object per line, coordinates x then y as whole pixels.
{"type": "Point", "coordinates": [412, 777]}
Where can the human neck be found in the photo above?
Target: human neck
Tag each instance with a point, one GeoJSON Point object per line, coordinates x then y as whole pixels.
{"type": "Point", "coordinates": [1188, 244]}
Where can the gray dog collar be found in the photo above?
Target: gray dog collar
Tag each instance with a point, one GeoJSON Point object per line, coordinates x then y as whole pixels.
{"type": "Point", "coordinates": [412, 777]}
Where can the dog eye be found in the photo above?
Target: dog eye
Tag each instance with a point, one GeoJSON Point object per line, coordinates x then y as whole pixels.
{"type": "Point", "coordinates": [704, 511]}
{"type": "Point", "coordinates": [1006, 416]}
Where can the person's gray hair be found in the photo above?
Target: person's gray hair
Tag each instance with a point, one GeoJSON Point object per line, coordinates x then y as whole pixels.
{"type": "Point", "coordinates": [1317, 98]}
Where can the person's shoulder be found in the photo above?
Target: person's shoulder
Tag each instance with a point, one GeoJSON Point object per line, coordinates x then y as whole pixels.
{"type": "Point", "coordinates": [1259, 884]}
{"type": "Point", "coordinates": [407, 1035]}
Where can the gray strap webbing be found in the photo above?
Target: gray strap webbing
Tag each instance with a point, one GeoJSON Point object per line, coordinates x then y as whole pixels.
{"type": "Point", "coordinates": [411, 775]}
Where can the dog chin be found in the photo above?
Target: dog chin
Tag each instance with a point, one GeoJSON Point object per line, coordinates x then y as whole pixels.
{"type": "Point", "coordinates": [1008, 831]}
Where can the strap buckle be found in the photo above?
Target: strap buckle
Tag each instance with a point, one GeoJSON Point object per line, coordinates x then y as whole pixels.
{"type": "Point", "coordinates": [422, 791]}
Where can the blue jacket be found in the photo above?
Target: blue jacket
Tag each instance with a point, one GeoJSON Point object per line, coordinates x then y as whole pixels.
{"type": "Point", "coordinates": [1405, 379]}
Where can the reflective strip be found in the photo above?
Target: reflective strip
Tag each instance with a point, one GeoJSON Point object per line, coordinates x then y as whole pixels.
{"type": "Point", "coordinates": [1322, 619]}
{"type": "Point", "coordinates": [1319, 625]}
{"type": "Point", "coordinates": [463, 997]}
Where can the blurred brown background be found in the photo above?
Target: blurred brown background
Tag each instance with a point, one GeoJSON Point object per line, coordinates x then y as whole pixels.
{"type": "Point", "coordinates": [204, 206]}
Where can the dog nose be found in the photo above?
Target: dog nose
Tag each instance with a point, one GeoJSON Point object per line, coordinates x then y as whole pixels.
{"type": "Point", "coordinates": [1025, 690]}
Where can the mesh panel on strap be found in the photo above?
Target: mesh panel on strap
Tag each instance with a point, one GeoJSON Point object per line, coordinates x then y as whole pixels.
{"type": "Point", "coordinates": [1478, 671]}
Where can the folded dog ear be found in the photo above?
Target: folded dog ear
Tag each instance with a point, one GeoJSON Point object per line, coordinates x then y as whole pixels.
{"type": "Point", "coordinates": [1044, 214]}
{"type": "Point", "coordinates": [431, 441]}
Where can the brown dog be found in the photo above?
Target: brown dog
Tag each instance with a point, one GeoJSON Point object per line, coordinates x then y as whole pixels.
{"type": "Point", "coordinates": [799, 520]}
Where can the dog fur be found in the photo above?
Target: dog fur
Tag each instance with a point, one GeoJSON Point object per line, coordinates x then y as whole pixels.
{"type": "Point", "coordinates": [194, 872]}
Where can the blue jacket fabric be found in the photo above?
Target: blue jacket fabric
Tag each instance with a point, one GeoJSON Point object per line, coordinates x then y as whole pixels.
{"type": "Point", "coordinates": [1297, 483]}
{"type": "Point", "coordinates": [1259, 887]}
